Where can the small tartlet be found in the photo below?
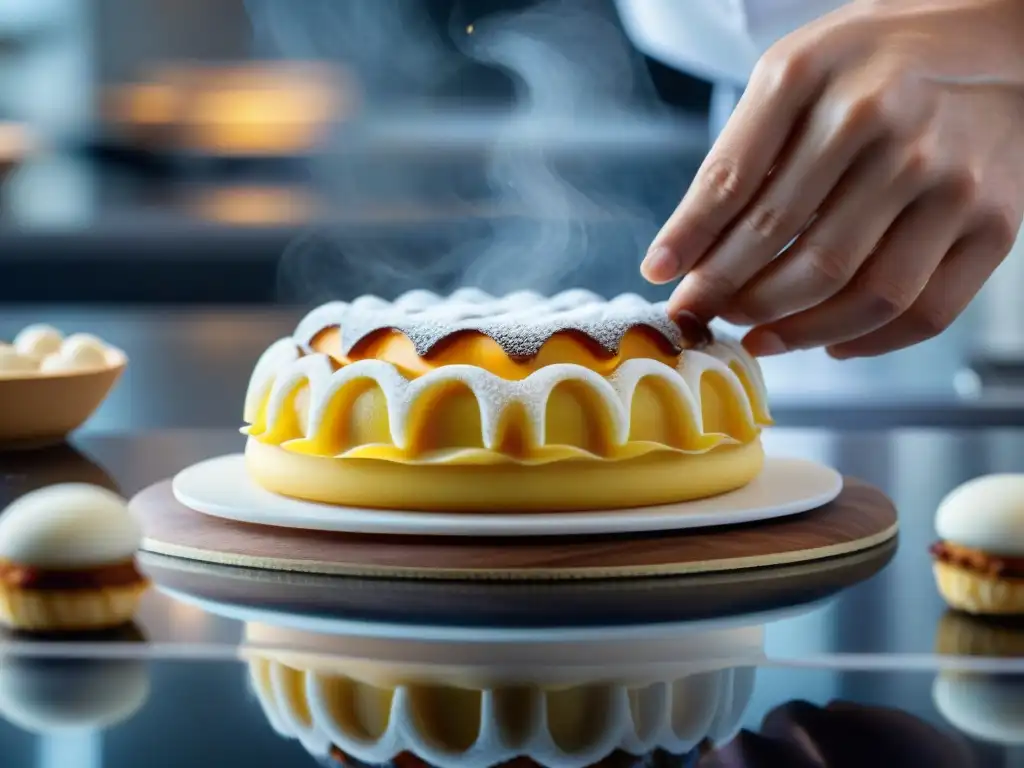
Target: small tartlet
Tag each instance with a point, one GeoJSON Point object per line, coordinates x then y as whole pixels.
{"type": "Point", "coordinates": [978, 560]}
{"type": "Point", "coordinates": [50, 384]}
{"type": "Point", "coordinates": [67, 560]}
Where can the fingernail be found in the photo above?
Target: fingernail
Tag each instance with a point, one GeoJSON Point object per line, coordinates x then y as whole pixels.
{"type": "Point", "coordinates": [764, 344]}
{"type": "Point", "coordinates": [695, 331]}
{"type": "Point", "coordinates": [659, 265]}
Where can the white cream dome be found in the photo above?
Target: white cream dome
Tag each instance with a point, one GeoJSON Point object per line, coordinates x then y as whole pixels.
{"type": "Point", "coordinates": [43, 695]}
{"type": "Point", "coordinates": [77, 342]}
{"type": "Point", "coordinates": [986, 513]}
{"type": "Point", "coordinates": [71, 525]}
{"type": "Point", "coordinates": [13, 361]}
{"type": "Point", "coordinates": [38, 340]}
{"type": "Point", "coordinates": [81, 358]}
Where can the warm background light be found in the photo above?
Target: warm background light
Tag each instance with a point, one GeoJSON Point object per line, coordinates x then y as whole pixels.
{"type": "Point", "coordinates": [257, 109]}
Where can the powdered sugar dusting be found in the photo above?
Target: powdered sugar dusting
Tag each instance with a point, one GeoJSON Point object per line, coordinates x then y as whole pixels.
{"type": "Point", "coordinates": [520, 322]}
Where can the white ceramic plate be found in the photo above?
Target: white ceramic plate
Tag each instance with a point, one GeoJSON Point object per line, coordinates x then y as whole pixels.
{"type": "Point", "coordinates": [221, 487]}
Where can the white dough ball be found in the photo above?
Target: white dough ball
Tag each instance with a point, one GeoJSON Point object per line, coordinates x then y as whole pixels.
{"type": "Point", "coordinates": [38, 340]}
{"type": "Point", "coordinates": [69, 525]}
{"type": "Point", "coordinates": [78, 341]}
{"type": "Point", "coordinates": [986, 513]}
{"type": "Point", "coordinates": [81, 358]}
{"type": "Point", "coordinates": [11, 361]}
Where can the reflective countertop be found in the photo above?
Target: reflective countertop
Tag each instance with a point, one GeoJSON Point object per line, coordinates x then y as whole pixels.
{"type": "Point", "coordinates": [851, 651]}
{"type": "Point", "coordinates": [812, 650]}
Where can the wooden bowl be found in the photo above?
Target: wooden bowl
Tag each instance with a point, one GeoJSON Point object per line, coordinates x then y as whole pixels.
{"type": "Point", "coordinates": [38, 409]}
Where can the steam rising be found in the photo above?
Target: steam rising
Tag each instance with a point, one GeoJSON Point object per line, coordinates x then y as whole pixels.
{"type": "Point", "coordinates": [558, 213]}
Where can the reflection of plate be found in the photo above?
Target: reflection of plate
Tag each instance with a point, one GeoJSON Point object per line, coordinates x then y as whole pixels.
{"type": "Point", "coordinates": [25, 471]}
{"type": "Point", "coordinates": [441, 633]}
{"type": "Point", "coordinates": [222, 487]}
{"type": "Point", "coordinates": [324, 600]}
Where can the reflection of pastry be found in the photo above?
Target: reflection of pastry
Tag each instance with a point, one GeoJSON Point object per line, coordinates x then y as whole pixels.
{"type": "Point", "coordinates": [979, 560]}
{"type": "Point", "coordinates": [42, 695]}
{"type": "Point", "coordinates": [958, 634]}
{"type": "Point", "coordinates": [358, 711]}
{"type": "Point", "coordinates": [472, 402]}
{"type": "Point", "coordinates": [984, 706]}
{"type": "Point", "coordinates": [67, 560]}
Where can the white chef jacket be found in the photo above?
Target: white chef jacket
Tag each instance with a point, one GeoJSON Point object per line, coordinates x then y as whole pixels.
{"type": "Point", "coordinates": [718, 40]}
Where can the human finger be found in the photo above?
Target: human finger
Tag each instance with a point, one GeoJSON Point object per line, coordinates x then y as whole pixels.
{"type": "Point", "coordinates": [781, 87]}
{"type": "Point", "coordinates": [956, 281]}
{"type": "Point", "coordinates": [888, 283]}
{"type": "Point", "coordinates": [848, 228]}
{"type": "Point", "coordinates": [822, 152]}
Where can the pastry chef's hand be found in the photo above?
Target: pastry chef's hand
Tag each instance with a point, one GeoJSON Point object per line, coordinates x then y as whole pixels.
{"type": "Point", "coordinates": [885, 141]}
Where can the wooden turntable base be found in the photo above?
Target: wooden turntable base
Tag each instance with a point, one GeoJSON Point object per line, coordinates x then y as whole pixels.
{"type": "Point", "coordinates": [860, 518]}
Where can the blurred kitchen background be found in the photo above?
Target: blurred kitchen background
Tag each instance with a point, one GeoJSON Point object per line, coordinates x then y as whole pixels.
{"type": "Point", "coordinates": [190, 174]}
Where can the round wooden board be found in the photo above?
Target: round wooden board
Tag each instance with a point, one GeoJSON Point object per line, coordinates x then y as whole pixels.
{"type": "Point", "coordinates": [861, 517]}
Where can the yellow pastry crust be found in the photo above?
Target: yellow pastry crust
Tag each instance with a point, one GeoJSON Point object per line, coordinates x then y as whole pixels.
{"type": "Point", "coordinates": [556, 487]}
{"type": "Point", "coordinates": [72, 610]}
{"type": "Point", "coordinates": [978, 593]}
{"type": "Point", "coordinates": [467, 426]}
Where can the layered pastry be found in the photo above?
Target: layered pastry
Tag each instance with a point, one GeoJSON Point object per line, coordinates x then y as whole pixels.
{"type": "Point", "coordinates": [67, 560]}
{"type": "Point", "coordinates": [518, 403]}
{"type": "Point", "coordinates": [979, 558]}
{"type": "Point", "coordinates": [361, 713]}
{"type": "Point", "coordinates": [43, 350]}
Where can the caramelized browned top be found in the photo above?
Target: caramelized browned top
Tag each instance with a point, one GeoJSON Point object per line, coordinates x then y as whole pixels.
{"type": "Point", "coordinates": [977, 561]}
{"type": "Point", "coordinates": [28, 577]}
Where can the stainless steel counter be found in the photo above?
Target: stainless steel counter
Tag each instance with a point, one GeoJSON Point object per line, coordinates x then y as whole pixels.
{"type": "Point", "coordinates": [882, 641]}
{"type": "Point", "coordinates": [870, 645]}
